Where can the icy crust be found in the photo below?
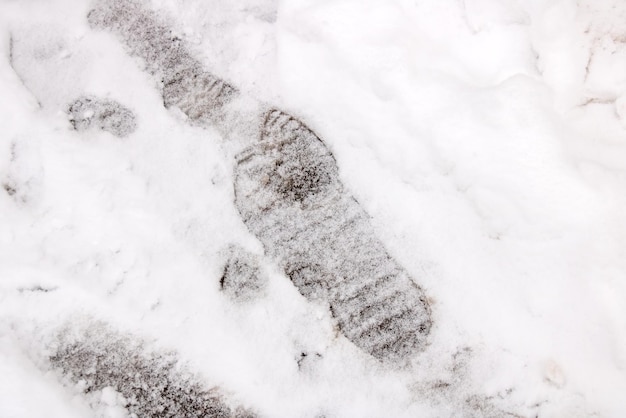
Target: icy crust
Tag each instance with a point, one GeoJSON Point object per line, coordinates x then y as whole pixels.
{"type": "Point", "coordinates": [185, 83]}
{"type": "Point", "coordinates": [108, 115]}
{"type": "Point", "coordinates": [290, 196]}
{"type": "Point", "coordinates": [151, 383]}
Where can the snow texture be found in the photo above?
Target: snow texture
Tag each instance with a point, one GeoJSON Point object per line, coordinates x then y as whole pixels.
{"type": "Point", "coordinates": [242, 279]}
{"type": "Point", "coordinates": [291, 198]}
{"type": "Point", "coordinates": [152, 384]}
{"type": "Point", "coordinates": [185, 83]}
{"type": "Point", "coordinates": [108, 115]}
{"type": "Point", "coordinates": [288, 192]}
{"type": "Point", "coordinates": [455, 166]}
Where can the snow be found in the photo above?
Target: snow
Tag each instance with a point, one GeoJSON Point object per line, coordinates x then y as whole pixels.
{"type": "Point", "coordinates": [486, 140]}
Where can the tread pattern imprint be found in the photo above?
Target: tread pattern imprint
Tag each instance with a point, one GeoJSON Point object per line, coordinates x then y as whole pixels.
{"type": "Point", "coordinates": [289, 195]}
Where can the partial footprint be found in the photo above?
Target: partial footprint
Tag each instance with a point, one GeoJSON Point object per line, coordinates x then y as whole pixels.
{"type": "Point", "coordinates": [147, 383]}
{"type": "Point", "coordinates": [242, 279]}
{"type": "Point", "coordinates": [185, 83]}
{"type": "Point", "coordinates": [108, 115]}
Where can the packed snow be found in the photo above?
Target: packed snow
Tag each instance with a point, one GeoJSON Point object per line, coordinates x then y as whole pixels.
{"type": "Point", "coordinates": [484, 139]}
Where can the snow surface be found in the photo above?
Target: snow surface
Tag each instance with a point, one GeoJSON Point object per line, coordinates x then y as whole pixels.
{"type": "Point", "coordinates": [485, 138]}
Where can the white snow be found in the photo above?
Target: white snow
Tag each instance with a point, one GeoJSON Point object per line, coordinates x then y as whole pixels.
{"type": "Point", "coordinates": [486, 138]}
